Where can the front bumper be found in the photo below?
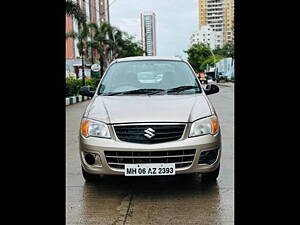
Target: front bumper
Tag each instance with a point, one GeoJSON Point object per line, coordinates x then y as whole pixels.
{"type": "Point", "coordinates": [99, 145]}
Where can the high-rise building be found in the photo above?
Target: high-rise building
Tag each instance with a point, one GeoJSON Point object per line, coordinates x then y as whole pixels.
{"type": "Point", "coordinates": [202, 13]}
{"type": "Point", "coordinates": [206, 35]}
{"type": "Point", "coordinates": [219, 15]}
{"type": "Point", "coordinates": [96, 11]}
{"type": "Point", "coordinates": [211, 13]}
{"type": "Point", "coordinates": [148, 33]}
{"type": "Point", "coordinates": [228, 21]}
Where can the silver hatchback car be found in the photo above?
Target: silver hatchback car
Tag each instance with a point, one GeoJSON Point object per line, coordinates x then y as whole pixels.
{"type": "Point", "coordinates": [149, 116]}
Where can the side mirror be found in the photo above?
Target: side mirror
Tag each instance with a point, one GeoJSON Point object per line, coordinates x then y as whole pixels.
{"type": "Point", "coordinates": [87, 91]}
{"type": "Point", "coordinates": [211, 89]}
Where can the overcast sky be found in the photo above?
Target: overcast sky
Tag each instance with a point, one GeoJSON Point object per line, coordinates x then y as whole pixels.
{"type": "Point", "coordinates": [176, 20]}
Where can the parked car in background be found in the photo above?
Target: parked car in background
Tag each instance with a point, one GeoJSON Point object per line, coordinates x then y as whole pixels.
{"type": "Point", "coordinates": [211, 74]}
{"type": "Point", "coordinates": [209, 79]}
{"type": "Point", "coordinates": [221, 77]}
{"type": "Point", "coordinates": [150, 116]}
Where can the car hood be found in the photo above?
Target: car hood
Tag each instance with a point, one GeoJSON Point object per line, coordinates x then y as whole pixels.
{"type": "Point", "coordinates": [152, 108]}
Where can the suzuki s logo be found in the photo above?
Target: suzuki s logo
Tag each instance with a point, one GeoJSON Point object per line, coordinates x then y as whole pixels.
{"type": "Point", "coordinates": [149, 133]}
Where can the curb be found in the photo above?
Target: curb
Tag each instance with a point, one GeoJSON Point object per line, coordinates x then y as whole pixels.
{"type": "Point", "coordinates": [76, 99]}
{"type": "Point", "coordinates": [225, 84]}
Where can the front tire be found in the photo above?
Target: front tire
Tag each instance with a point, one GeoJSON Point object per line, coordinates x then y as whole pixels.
{"type": "Point", "coordinates": [89, 177]}
{"type": "Point", "coordinates": [212, 175]}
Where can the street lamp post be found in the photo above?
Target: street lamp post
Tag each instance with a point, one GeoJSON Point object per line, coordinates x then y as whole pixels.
{"type": "Point", "coordinates": [214, 57]}
{"type": "Point", "coordinates": [214, 60]}
{"type": "Point", "coordinates": [112, 2]}
{"type": "Point", "coordinates": [113, 35]}
{"type": "Point", "coordinates": [83, 75]}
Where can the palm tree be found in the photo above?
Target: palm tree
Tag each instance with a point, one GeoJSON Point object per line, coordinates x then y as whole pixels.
{"type": "Point", "coordinates": [92, 43]}
{"type": "Point", "coordinates": [81, 36]}
{"type": "Point", "coordinates": [116, 42]}
{"type": "Point", "coordinates": [74, 10]}
{"type": "Point", "coordinates": [105, 39]}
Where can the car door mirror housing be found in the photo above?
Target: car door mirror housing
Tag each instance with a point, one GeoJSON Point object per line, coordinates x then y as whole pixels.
{"type": "Point", "coordinates": [211, 89]}
{"type": "Point", "coordinates": [87, 91]}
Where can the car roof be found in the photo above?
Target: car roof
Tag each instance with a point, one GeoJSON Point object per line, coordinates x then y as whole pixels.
{"type": "Point", "coordinates": [138, 58]}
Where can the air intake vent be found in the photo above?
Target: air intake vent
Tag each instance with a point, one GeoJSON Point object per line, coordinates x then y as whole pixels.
{"type": "Point", "coordinates": [181, 158]}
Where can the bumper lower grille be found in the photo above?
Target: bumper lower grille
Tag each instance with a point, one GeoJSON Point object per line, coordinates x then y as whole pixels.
{"type": "Point", "coordinates": [181, 158]}
{"type": "Point", "coordinates": [159, 133]}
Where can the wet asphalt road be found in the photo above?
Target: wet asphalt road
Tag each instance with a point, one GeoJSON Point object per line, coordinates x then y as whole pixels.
{"type": "Point", "coordinates": [181, 199]}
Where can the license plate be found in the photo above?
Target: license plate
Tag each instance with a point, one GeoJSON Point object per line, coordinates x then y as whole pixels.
{"type": "Point", "coordinates": [151, 169]}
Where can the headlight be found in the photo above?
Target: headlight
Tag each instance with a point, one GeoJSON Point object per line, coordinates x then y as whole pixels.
{"type": "Point", "coordinates": [92, 128]}
{"type": "Point", "coordinates": [209, 125]}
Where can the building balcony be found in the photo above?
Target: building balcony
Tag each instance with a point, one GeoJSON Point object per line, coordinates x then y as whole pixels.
{"type": "Point", "coordinates": [215, 4]}
{"type": "Point", "coordinates": [211, 18]}
{"type": "Point", "coordinates": [215, 7]}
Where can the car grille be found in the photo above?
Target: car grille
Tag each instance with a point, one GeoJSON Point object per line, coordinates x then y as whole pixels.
{"type": "Point", "coordinates": [181, 158]}
{"type": "Point", "coordinates": [163, 133]}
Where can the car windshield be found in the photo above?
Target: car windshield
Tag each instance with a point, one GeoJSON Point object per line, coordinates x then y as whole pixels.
{"type": "Point", "coordinates": [149, 76]}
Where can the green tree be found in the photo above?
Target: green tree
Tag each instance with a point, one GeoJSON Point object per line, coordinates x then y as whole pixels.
{"type": "Point", "coordinates": [101, 41]}
{"type": "Point", "coordinates": [226, 51]}
{"type": "Point", "coordinates": [130, 47]}
{"type": "Point", "coordinates": [210, 61]}
{"type": "Point", "coordinates": [73, 9]}
{"type": "Point", "coordinates": [111, 43]}
{"type": "Point", "coordinates": [197, 54]}
{"type": "Point", "coordinates": [93, 43]}
{"type": "Point", "coordinates": [116, 42]}
{"type": "Point", "coordinates": [107, 40]}
{"type": "Point", "coordinates": [81, 36]}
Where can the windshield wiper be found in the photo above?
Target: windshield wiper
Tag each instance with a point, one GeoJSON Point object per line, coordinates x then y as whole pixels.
{"type": "Point", "coordinates": [151, 91]}
{"type": "Point", "coordinates": [138, 91]}
{"type": "Point", "coordinates": [177, 89]}
{"type": "Point", "coordinates": [181, 88]}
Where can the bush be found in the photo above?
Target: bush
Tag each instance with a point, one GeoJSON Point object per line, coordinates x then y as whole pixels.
{"type": "Point", "coordinates": [92, 82]}
{"type": "Point", "coordinates": [73, 85]}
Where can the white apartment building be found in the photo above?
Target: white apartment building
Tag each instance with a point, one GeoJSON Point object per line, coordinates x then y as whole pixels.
{"type": "Point", "coordinates": [219, 15]}
{"type": "Point", "coordinates": [215, 13]}
{"type": "Point", "coordinates": [207, 35]}
{"type": "Point", "coordinates": [148, 33]}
